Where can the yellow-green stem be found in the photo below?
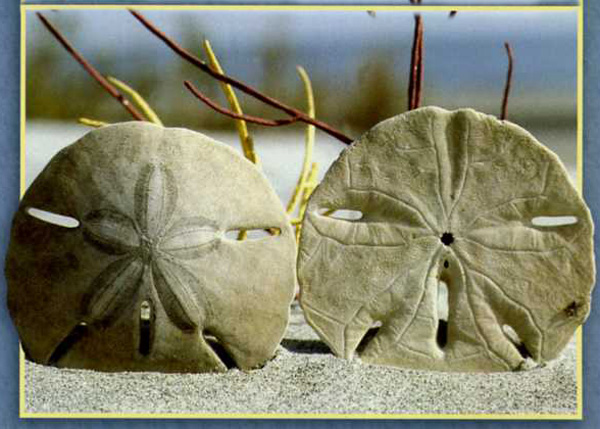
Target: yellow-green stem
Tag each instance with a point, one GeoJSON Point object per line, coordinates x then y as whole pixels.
{"type": "Point", "coordinates": [245, 139]}
{"type": "Point", "coordinates": [137, 99]}
{"type": "Point", "coordinates": [92, 122]}
{"type": "Point", "coordinates": [309, 141]}
{"type": "Point", "coordinates": [309, 187]}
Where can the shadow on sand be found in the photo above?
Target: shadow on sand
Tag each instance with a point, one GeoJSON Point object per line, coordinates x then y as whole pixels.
{"type": "Point", "coordinates": [306, 346]}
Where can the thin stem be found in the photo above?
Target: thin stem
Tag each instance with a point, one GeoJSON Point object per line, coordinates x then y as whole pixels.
{"type": "Point", "coordinates": [90, 69]}
{"type": "Point", "coordinates": [92, 122]}
{"type": "Point", "coordinates": [295, 113]}
{"type": "Point", "coordinates": [309, 142]}
{"type": "Point", "coordinates": [415, 83]}
{"type": "Point", "coordinates": [309, 187]}
{"type": "Point", "coordinates": [137, 99]}
{"type": "Point", "coordinates": [226, 112]}
{"type": "Point", "coordinates": [507, 86]}
{"type": "Point", "coordinates": [234, 104]}
{"type": "Point", "coordinates": [421, 50]}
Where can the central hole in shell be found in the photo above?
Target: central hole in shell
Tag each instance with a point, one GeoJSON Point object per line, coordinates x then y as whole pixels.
{"type": "Point", "coordinates": [447, 238]}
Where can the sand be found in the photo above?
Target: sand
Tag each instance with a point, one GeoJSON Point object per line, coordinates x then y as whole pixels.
{"type": "Point", "coordinates": [305, 378]}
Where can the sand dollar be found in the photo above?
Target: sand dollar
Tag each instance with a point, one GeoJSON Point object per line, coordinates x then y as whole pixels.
{"type": "Point", "coordinates": [145, 271]}
{"type": "Point", "coordinates": [457, 242]}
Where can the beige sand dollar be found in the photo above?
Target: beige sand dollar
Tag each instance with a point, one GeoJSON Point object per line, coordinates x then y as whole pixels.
{"type": "Point", "coordinates": [146, 273]}
{"type": "Point", "coordinates": [433, 201]}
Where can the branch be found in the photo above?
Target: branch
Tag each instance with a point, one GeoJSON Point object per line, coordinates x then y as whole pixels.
{"type": "Point", "coordinates": [309, 143]}
{"type": "Point", "coordinates": [508, 84]}
{"type": "Point", "coordinates": [309, 187]}
{"type": "Point", "coordinates": [245, 139]}
{"type": "Point", "coordinates": [92, 122]}
{"type": "Point", "coordinates": [137, 99]}
{"type": "Point", "coordinates": [297, 115]}
{"type": "Point", "coordinates": [415, 83]}
{"type": "Point", "coordinates": [90, 69]}
{"type": "Point", "coordinates": [231, 114]}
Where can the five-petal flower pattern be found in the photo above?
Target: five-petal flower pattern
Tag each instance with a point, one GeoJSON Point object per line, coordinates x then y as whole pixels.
{"type": "Point", "coordinates": [148, 274]}
{"type": "Point", "coordinates": [150, 248]}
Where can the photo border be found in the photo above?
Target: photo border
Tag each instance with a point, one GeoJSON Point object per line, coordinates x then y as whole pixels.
{"type": "Point", "coordinates": [579, 182]}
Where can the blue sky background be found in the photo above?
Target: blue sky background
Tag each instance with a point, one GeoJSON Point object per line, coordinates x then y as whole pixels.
{"type": "Point", "coordinates": [465, 61]}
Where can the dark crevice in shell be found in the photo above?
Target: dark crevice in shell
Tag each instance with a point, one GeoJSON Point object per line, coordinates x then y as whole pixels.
{"type": "Point", "coordinates": [76, 334]}
{"type": "Point", "coordinates": [217, 347]}
{"type": "Point", "coordinates": [367, 338]}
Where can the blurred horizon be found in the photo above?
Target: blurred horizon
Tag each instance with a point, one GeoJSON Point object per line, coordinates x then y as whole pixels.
{"type": "Point", "coordinates": [358, 64]}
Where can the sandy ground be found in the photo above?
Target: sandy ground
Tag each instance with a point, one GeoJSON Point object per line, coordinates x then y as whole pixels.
{"type": "Point", "coordinates": [304, 377]}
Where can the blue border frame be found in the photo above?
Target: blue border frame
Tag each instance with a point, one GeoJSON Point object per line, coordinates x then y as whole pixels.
{"type": "Point", "coordinates": [9, 196]}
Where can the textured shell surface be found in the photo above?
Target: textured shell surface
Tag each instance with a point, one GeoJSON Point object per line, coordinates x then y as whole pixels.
{"type": "Point", "coordinates": [150, 274]}
{"type": "Point", "coordinates": [469, 248]}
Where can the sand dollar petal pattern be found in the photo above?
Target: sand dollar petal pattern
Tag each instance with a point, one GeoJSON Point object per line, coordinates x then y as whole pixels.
{"type": "Point", "coordinates": [471, 250]}
{"type": "Point", "coordinates": [146, 277]}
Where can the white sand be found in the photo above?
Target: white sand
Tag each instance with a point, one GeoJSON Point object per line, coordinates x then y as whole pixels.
{"type": "Point", "coordinates": [305, 378]}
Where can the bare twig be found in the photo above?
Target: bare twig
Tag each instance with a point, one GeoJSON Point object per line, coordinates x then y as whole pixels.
{"type": "Point", "coordinates": [92, 122]}
{"type": "Point", "coordinates": [234, 115]}
{"type": "Point", "coordinates": [309, 142]}
{"type": "Point", "coordinates": [419, 85]}
{"type": "Point", "coordinates": [309, 187]}
{"type": "Point", "coordinates": [415, 83]}
{"type": "Point", "coordinates": [296, 114]}
{"type": "Point", "coordinates": [508, 84]}
{"type": "Point", "coordinates": [245, 140]}
{"type": "Point", "coordinates": [137, 99]}
{"type": "Point", "coordinates": [90, 69]}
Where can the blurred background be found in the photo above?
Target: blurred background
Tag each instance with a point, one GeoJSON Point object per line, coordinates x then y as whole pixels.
{"type": "Point", "coordinates": [358, 64]}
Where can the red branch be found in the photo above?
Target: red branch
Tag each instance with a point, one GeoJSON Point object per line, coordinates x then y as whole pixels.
{"type": "Point", "coordinates": [415, 84]}
{"type": "Point", "coordinates": [294, 113]}
{"type": "Point", "coordinates": [508, 84]}
{"type": "Point", "coordinates": [90, 69]}
{"type": "Point", "coordinates": [226, 112]}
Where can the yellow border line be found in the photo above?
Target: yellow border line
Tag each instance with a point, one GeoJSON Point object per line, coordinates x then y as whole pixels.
{"type": "Point", "coordinates": [23, 106]}
{"type": "Point", "coordinates": [306, 416]}
{"type": "Point", "coordinates": [338, 8]}
{"type": "Point", "coordinates": [579, 376]}
{"type": "Point", "coordinates": [22, 145]}
{"type": "Point", "coordinates": [580, 101]}
{"type": "Point", "coordinates": [579, 171]}
{"type": "Point", "coordinates": [578, 415]}
{"type": "Point", "coordinates": [22, 83]}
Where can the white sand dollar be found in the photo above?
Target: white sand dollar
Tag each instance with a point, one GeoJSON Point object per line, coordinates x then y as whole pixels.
{"type": "Point", "coordinates": [430, 201]}
{"type": "Point", "coordinates": [124, 256]}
